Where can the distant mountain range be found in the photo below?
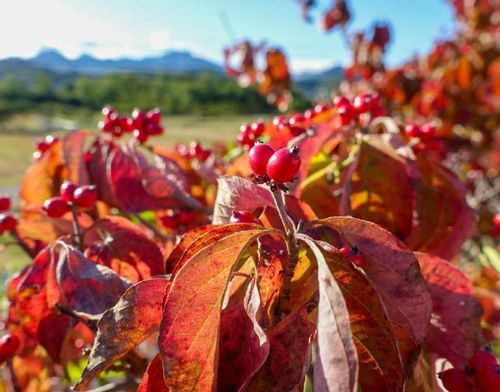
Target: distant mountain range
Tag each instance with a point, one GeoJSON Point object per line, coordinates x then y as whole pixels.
{"type": "Point", "coordinates": [171, 62]}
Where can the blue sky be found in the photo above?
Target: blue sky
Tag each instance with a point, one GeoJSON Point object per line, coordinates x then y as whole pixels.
{"type": "Point", "coordinates": [133, 28]}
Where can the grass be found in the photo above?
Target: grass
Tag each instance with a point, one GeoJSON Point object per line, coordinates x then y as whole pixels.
{"type": "Point", "coordinates": [19, 132]}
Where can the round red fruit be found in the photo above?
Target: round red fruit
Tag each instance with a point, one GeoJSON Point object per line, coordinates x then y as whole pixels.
{"type": "Point", "coordinates": [242, 217]}
{"type": "Point", "coordinates": [140, 135]}
{"type": "Point", "coordinates": [154, 129]}
{"type": "Point", "coordinates": [428, 131]}
{"type": "Point", "coordinates": [85, 196]}
{"type": "Point", "coordinates": [55, 207]}
{"type": "Point", "coordinates": [4, 202]}
{"type": "Point", "coordinates": [455, 380]}
{"type": "Point", "coordinates": [9, 344]}
{"type": "Point", "coordinates": [340, 100]}
{"type": "Point", "coordinates": [258, 128]}
{"type": "Point", "coordinates": [353, 254]}
{"type": "Point", "coordinates": [346, 114]}
{"type": "Point", "coordinates": [481, 358]}
{"type": "Point", "coordinates": [412, 130]}
{"type": "Point", "coordinates": [362, 103]}
{"type": "Point", "coordinates": [258, 157]}
{"type": "Point", "coordinates": [283, 165]}
{"type": "Point", "coordinates": [487, 378]}
{"type": "Point", "coordinates": [67, 191]}
{"type": "Point", "coordinates": [185, 217]}
{"type": "Point", "coordinates": [195, 149]}
{"type": "Point", "coordinates": [154, 115]}
{"type": "Point", "coordinates": [42, 146]}
{"type": "Point", "coordinates": [496, 219]}
{"type": "Point", "coordinates": [7, 222]}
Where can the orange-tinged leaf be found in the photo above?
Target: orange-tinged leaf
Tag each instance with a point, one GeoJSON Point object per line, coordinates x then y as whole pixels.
{"type": "Point", "coordinates": [336, 367]}
{"type": "Point", "coordinates": [455, 332]}
{"type": "Point", "coordinates": [72, 149]}
{"type": "Point", "coordinates": [394, 272]}
{"type": "Point", "coordinates": [44, 177]}
{"type": "Point", "coordinates": [135, 316]}
{"type": "Point", "coordinates": [380, 368]}
{"type": "Point", "coordinates": [122, 246]}
{"type": "Point", "coordinates": [188, 339]}
{"type": "Point", "coordinates": [445, 220]}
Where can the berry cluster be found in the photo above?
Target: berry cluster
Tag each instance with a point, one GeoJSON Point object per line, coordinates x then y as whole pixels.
{"type": "Point", "coordinates": [274, 167]}
{"type": "Point", "coordinates": [194, 151]}
{"type": "Point", "coordinates": [361, 108]}
{"type": "Point", "coordinates": [141, 124]}
{"type": "Point", "coordinates": [425, 134]}
{"type": "Point", "coordinates": [9, 345]}
{"type": "Point", "coordinates": [83, 197]}
{"type": "Point", "coordinates": [249, 133]}
{"type": "Point", "coordinates": [352, 253]}
{"type": "Point", "coordinates": [240, 216]}
{"type": "Point", "coordinates": [481, 374]}
{"type": "Point", "coordinates": [7, 221]}
{"type": "Point", "coordinates": [43, 145]}
{"type": "Point", "coordinates": [174, 219]}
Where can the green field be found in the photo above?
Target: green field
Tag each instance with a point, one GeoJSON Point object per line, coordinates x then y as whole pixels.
{"type": "Point", "coordinates": [18, 134]}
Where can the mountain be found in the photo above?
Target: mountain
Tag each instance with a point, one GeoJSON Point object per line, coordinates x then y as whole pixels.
{"type": "Point", "coordinates": [173, 62]}
{"type": "Point", "coordinates": [321, 83]}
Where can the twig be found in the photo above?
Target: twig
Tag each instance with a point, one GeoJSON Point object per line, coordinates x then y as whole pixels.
{"type": "Point", "coordinates": [13, 377]}
{"type": "Point", "coordinates": [20, 242]}
{"type": "Point", "coordinates": [67, 312]}
{"type": "Point", "coordinates": [77, 232]}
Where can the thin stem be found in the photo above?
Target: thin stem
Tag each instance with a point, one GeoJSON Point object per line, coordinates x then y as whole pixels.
{"type": "Point", "coordinates": [67, 312]}
{"type": "Point", "coordinates": [280, 206]}
{"type": "Point", "coordinates": [77, 231]}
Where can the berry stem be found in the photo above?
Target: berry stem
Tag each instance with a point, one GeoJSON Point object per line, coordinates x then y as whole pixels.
{"type": "Point", "coordinates": [292, 248]}
{"type": "Point", "coordinates": [77, 231]}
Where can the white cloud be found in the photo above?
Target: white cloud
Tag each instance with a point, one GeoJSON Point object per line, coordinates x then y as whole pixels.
{"type": "Point", "coordinates": [299, 65]}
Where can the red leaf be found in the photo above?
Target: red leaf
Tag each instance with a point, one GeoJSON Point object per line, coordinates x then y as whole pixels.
{"type": "Point", "coordinates": [285, 367]}
{"type": "Point", "coordinates": [135, 316]}
{"type": "Point", "coordinates": [122, 246]}
{"type": "Point", "coordinates": [142, 187]}
{"type": "Point", "coordinates": [188, 339]}
{"type": "Point", "coordinates": [51, 332]}
{"type": "Point", "coordinates": [84, 287]}
{"type": "Point", "coordinates": [455, 332]}
{"type": "Point", "coordinates": [336, 366]}
{"type": "Point", "coordinates": [153, 381]}
{"type": "Point", "coordinates": [394, 271]}
{"type": "Point", "coordinates": [243, 345]}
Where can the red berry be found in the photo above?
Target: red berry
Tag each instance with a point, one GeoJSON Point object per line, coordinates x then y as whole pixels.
{"type": "Point", "coordinates": [9, 344]}
{"type": "Point", "coordinates": [297, 120]}
{"type": "Point", "coordinates": [85, 196]}
{"type": "Point", "coordinates": [258, 128]}
{"type": "Point", "coordinates": [184, 217]}
{"type": "Point", "coordinates": [242, 217]}
{"type": "Point", "coordinates": [55, 207]}
{"type": "Point", "coordinates": [154, 129]}
{"type": "Point", "coordinates": [4, 202]}
{"type": "Point", "coordinates": [346, 114]}
{"type": "Point", "coordinates": [140, 135]}
{"type": "Point", "coordinates": [42, 146]}
{"type": "Point", "coordinates": [428, 131]}
{"type": "Point", "coordinates": [195, 149]}
{"type": "Point", "coordinates": [362, 103]}
{"type": "Point", "coordinates": [169, 222]}
{"type": "Point", "coordinates": [108, 111]}
{"type": "Point", "coordinates": [496, 219]}
{"type": "Point", "coordinates": [138, 117]}
{"type": "Point", "coordinates": [258, 157]}
{"type": "Point", "coordinates": [67, 191]}
{"type": "Point", "coordinates": [352, 254]}
{"type": "Point", "coordinates": [455, 380]}
{"type": "Point", "coordinates": [487, 378]}
{"type": "Point", "coordinates": [51, 139]}
{"type": "Point", "coordinates": [283, 165]}
{"type": "Point", "coordinates": [309, 114]}
{"type": "Point", "coordinates": [154, 115]}
{"type": "Point", "coordinates": [481, 358]}
{"type": "Point", "coordinates": [340, 100]}
{"type": "Point", "coordinates": [183, 150]}
{"type": "Point", "coordinates": [321, 108]}
{"type": "Point", "coordinates": [7, 222]}
{"type": "Point", "coordinates": [412, 130]}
